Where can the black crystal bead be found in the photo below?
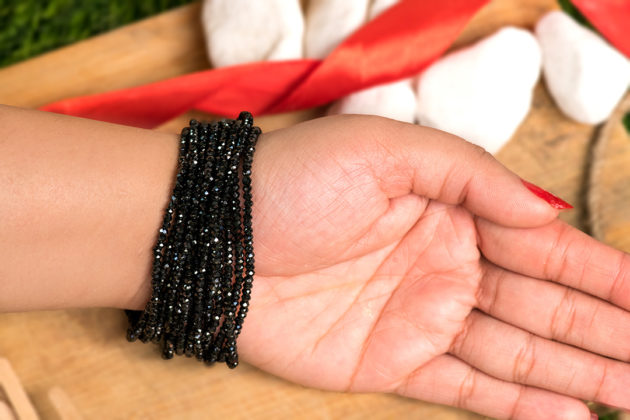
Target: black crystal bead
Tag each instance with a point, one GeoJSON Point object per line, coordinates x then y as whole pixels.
{"type": "Point", "coordinates": [203, 257]}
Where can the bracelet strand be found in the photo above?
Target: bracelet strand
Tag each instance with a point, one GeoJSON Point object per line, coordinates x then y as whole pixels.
{"type": "Point", "coordinates": [203, 265]}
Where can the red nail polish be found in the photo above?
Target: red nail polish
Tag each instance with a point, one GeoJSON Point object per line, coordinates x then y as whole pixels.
{"type": "Point", "coordinates": [555, 202]}
{"type": "Point", "coordinates": [594, 416]}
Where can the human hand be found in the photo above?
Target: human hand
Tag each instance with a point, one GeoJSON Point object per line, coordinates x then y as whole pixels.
{"type": "Point", "coordinates": [395, 258]}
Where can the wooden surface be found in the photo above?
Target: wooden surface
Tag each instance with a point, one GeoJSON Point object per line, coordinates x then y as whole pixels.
{"type": "Point", "coordinates": [609, 182]}
{"type": "Point", "coordinates": [15, 401]}
{"type": "Point", "coordinates": [165, 46]}
{"type": "Point", "coordinates": [83, 355]}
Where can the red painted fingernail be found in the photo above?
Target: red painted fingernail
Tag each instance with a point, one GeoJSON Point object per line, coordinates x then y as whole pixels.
{"type": "Point", "coordinates": [555, 202]}
{"type": "Point", "coordinates": [594, 416]}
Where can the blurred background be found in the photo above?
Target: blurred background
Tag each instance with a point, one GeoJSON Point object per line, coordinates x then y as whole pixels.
{"type": "Point", "coordinates": [32, 27]}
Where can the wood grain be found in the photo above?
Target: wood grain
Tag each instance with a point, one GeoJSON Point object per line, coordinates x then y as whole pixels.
{"type": "Point", "coordinates": [85, 352]}
{"type": "Point", "coordinates": [63, 405]}
{"type": "Point", "coordinates": [12, 387]}
{"type": "Point", "coordinates": [497, 14]}
{"type": "Point", "coordinates": [609, 182]}
{"type": "Point", "coordinates": [551, 150]}
{"type": "Point", "coordinates": [153, 49]}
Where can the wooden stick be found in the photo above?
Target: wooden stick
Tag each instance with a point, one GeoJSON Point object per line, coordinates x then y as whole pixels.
{"type": "Point", "coordinates": [6, 413]}
{"type": "Point", "coordinates": [63, 405]}
{"type": "Point", "coordinates": [15, 392]}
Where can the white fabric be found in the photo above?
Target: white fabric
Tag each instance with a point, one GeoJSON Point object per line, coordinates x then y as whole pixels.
{"type": "Point", "coordinates": [585, 75]}
{"type": "Point", "coordinates": [393, 100]}
{"type": "Point", "coordinates": [242, 31]}
{"type": "Point", "coordinates": [482, 93]}
{"type": "Point", "coordinates": [328, 22]}
{"type": "Point", "coordinates": [379, 6]}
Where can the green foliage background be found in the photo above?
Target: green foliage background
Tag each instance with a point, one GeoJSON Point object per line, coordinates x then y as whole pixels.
{"type": "Point", "coordinates": [31, 27]}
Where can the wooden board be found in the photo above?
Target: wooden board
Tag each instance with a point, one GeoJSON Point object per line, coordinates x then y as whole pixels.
{"type": "Point", "coordinates": [609, 182]}
{"type": "Point", "coordinates": [154, 49]}
{"type": "Point", "coordinates": [84, 352]}
{"type": "Point", "coordinates": [552, 151]}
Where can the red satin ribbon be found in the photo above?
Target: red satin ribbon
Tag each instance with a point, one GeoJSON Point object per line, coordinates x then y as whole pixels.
{"type": "Point", "coordinates": [399, 43]}
{"type": "Point", "coordinates": [611, 18]}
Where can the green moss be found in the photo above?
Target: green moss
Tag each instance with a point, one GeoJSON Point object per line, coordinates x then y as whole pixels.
{"type": "Point", "coordinates": [604, 413]}
{"type": "Point", "coordinates": [626, 122]}
{"type": "Point", "coordinates": [609, 416]}
{"type": "Point", "coordinates": [32, 27]}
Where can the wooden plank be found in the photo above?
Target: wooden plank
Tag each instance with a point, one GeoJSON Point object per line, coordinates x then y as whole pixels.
{"type": "Point", "coordinates": [63, 405]}
{"type": "Point", "coordinates": [497, 14]}
{"type": "Point", "coordinates": [19, 402]}
{"type": "Point", "coordinates": [551, 150]}
{"type": "Point", "coordinates": [153, 49]}
{"type": "Point", "coordinates": [609, 182]}
{"type": "Point", "coordinates": [6, 413]}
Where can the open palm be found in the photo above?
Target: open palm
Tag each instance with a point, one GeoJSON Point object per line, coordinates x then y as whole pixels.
{"type": "Point", "coordinates": [394, 258]}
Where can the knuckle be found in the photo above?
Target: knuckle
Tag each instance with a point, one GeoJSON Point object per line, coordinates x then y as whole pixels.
{"type": "Point", "coordinates": [620, 285]}
{"type": "Point", "coordinates": [518, 403]}
{"type": "Point", "coordinates": [466, 389]}
{"type": "Point", "coordinates": [525, 361]}
{"type": "Point", "coordinates": [598, 390]}
{"type": "Point", "coordinates": [481, 154]}
{"type": "Point", "coordinates": [480, 158]}
{"type": "Point", "coordinates": [556, 262]}
{"type": "Point", "coordinates": [459, 343]}
{"type": "Point", "coordinates": [489, 289]}
{"type": "Point", "coordinates": [562, 324]}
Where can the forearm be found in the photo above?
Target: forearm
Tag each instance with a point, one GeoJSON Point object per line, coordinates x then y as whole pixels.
{"type": "Point", "coordinates": [80, 205]}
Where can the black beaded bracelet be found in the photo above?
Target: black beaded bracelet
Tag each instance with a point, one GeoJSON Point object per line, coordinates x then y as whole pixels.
{"type": "Point", "coordinates": [203, 264]}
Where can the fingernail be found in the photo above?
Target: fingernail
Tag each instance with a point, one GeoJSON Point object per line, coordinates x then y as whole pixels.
{"type": "Point", "coordinates": [594, 416]}
{"type": "Point", "coordinates": [555, 202]}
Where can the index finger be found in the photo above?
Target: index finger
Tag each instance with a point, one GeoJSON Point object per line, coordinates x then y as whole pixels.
{"type": "Point", "coordinates": [561, 253]}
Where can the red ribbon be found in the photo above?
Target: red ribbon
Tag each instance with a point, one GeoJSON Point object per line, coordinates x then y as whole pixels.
{"type": "Point", "coordinates": [398, 43]}
{"type": "Point", "coordinates": [611, 18]}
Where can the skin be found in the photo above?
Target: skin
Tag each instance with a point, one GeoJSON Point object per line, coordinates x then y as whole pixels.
{"type": "Point", "coordinates": [389, 258]}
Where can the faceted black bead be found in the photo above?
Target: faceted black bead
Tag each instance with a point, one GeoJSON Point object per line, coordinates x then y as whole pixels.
{"type": "Point", "coordinates": [167, 352]}
{"type": "Point", "coordinates": [203, 257]}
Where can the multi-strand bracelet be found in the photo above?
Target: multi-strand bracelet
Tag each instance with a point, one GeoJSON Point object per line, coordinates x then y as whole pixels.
{"type": "Point", "coordinates": [204, 256]}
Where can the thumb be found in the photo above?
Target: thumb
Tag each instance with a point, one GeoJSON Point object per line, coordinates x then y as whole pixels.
{"type": "Point", "coordinates": [446, 168]}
